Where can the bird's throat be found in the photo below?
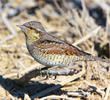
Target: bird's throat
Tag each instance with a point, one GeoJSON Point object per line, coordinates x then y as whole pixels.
{"type": "Point", "coordinates": [32, 37]}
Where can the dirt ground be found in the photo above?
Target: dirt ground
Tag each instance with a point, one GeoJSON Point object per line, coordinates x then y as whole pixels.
{"type": "Point", "coordinates": [83, 23]}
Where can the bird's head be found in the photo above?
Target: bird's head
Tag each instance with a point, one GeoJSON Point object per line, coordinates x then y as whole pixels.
{"type": "Point", "coordinates": [33, 30]}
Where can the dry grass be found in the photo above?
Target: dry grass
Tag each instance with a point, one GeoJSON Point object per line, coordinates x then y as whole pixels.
{"type": "Point", "coordinates": [72, 25]}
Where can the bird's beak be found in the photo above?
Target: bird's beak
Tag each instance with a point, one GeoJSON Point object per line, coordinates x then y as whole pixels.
{"type": "Point", "coordinates": [20, 26]}
{"type": "Point", "coordinates": [23, 28]}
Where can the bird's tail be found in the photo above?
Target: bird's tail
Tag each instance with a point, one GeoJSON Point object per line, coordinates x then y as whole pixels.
{"type": "Point", "coordinates": [92, 58]}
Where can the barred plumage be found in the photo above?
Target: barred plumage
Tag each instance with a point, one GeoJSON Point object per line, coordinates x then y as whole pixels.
{"type": "Point", "coordinates": [51, 51]}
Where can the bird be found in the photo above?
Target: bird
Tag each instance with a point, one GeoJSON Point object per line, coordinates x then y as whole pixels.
{"type": "Point", "coordinates": [51, 51]}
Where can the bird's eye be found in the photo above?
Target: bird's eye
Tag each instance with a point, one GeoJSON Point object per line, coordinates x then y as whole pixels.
{"type": "Point", "coordinates": [31, 28]}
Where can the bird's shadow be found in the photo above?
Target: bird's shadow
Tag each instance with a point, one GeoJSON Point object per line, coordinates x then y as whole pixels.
{"type": "Point", "coordinates": [31, 88]}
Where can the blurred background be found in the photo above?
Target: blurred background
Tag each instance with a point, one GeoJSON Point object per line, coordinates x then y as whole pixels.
{"type": "Point", "coordinates": [83, 23]}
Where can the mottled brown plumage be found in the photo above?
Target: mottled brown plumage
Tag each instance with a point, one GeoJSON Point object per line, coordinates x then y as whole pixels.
{"type": "Point", "coordinates": [48, 50]}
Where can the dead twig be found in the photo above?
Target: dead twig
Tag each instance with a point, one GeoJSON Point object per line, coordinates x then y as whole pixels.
{"type": "Point", "coordinates": [107, 93]}
{"type": "Point", "coordinates": [8, 25]}
{"type": "Point", "coordinates": [89, 35]}
{"type": "Point", "coordinates": [57, 97]}
{"type": "Point", "coordinates": [36, 72]}
{"type": "Point", "coordinates": [57, 86]}
{"type": "Point", "coordinates": [98, 90]}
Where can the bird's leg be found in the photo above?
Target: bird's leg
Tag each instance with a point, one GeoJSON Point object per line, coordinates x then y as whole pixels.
{"type": "Point", "coordinates": [46, 71]}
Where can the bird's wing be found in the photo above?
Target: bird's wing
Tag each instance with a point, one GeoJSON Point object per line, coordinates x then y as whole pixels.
{"type": "Point", "coordinates": [53, 47]}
